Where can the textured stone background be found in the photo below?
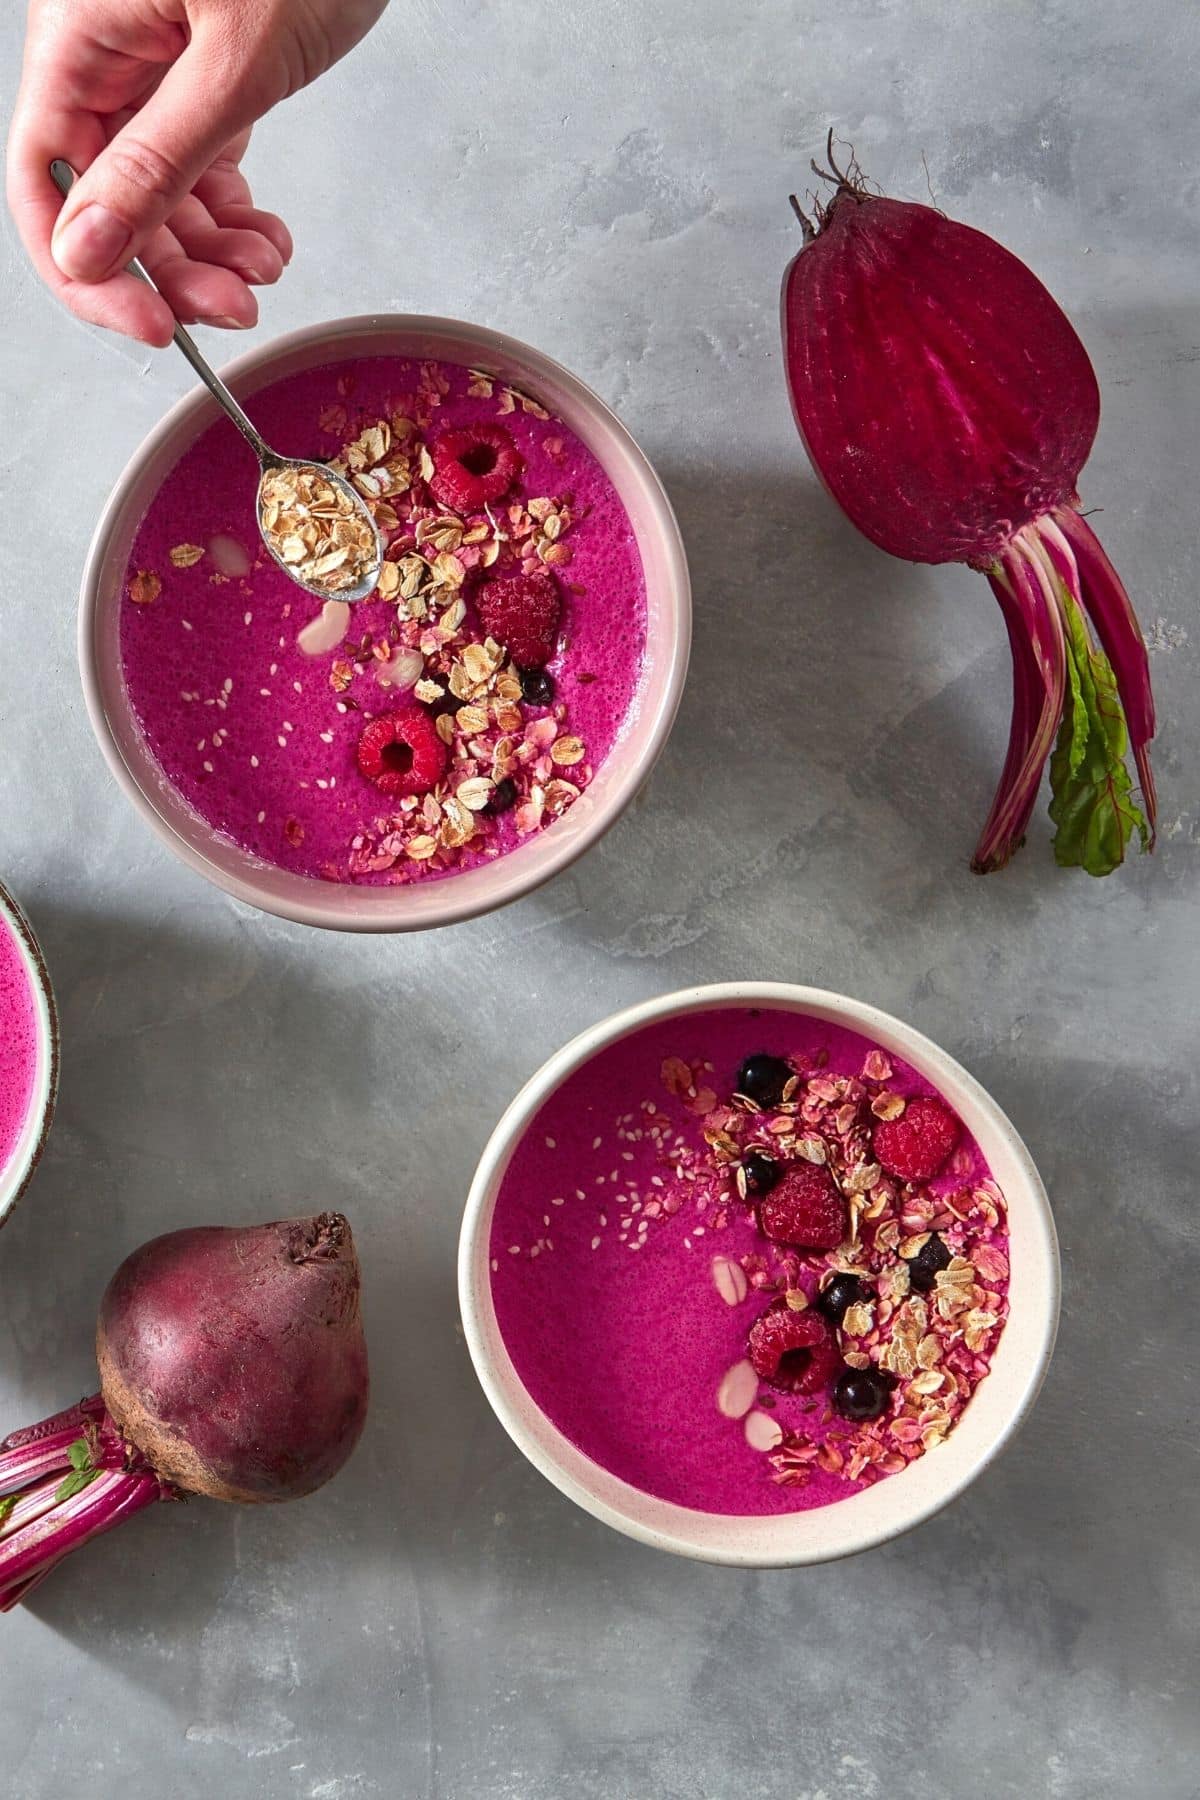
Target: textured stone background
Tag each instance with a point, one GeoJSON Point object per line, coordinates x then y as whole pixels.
{"type": "Point", "coordinates": [610, 180]}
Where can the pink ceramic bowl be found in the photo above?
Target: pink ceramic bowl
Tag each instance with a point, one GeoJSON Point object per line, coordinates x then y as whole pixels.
{"type": "Point", "coordinates": [874, 1514]}
{"type": "Point", "coordinates": [478, 890]}
{"type": "Point", "coordinates": [17, 1168]}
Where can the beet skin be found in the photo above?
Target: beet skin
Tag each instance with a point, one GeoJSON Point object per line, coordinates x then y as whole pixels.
{"type": "Point", "coordinates": [234, 1360]}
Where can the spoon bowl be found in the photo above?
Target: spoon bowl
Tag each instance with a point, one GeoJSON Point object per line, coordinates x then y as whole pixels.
{"type": "Point", "coordinates": [367, 530]}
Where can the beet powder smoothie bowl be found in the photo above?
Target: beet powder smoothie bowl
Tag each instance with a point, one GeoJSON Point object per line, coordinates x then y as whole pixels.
{"type": "Point", "coordinates": [471, 727]}
{"type": "Point", "coordinates": [758, 1274]}
{"type": "Point", "coordinates": [28, 1053]}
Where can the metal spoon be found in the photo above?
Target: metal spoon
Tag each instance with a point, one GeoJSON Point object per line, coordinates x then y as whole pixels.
{"type": "Point", "coordinates": [269, 461]}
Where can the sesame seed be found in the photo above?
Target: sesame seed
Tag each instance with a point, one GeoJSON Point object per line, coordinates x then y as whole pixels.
{"type": "Point", "coordinates": [254, 762]}
{"type": "Point", "coordinates": [187, 624]}
{"type": "Point", "coordinates": [208, 768]}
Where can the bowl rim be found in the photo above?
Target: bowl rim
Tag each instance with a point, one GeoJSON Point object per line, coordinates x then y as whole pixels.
{"type": "Point", "coordinates": [35, 1132]}
{"type": "Point", "coordinates": [661, 704]}
{"type": "Point", "coordinates": [509, 1398]}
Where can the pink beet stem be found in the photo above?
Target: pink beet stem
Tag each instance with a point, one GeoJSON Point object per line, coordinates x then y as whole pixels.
{"type": "Point", "coordinates": [1023, 583]}
{"type": "Point", "coordinates": [113, 1496]}
{"type": "Point", "coordinates": [40, 1528]}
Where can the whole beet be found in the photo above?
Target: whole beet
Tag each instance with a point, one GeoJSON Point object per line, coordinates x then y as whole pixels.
{"type": "Point", "coordinates": [948, 406]}
{"type": "Point", "coordinates": [232, 1364]}
{"type": "Point", "coordinates": [234, 1358]}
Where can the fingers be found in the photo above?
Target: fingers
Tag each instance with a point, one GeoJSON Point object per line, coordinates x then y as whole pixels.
{"type": "Point", "coordinates": [120, 303]}
{"type": "Point", "coordinates": [199, 292]}
{"type": "Point", "coordinates": [225, 191]}
{"type": "Point", "coordinates": [267, 225]}
{"type": "Point", "coordinates": [249, 253]}
{"type": "Point", "coordinates": [140, 179]}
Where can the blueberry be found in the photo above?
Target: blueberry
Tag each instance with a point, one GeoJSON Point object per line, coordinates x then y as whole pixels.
{"type": "Point", "coordinates": [762, 1078]}
{"type": "Point", "coordinates": [862, 1393]}
{"type": "Point", "coordinates": [923, 1267]}
{"type": "Point", "coordinates": [843, 1291]}
{"type": "Point", "coordinates": [762, 1172]}
{"type": "Point", "coordinates": [537, 687]}
{"type": "Point", "coordinates": [504, 796]}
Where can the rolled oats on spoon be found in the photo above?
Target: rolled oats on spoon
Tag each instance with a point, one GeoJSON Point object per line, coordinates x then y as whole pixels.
{"type": "Point", "coordinates": [318, 529]}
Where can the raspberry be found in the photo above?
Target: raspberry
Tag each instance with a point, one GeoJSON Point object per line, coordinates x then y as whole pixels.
{"type": "Point", "coordinates": [794, 1351]}
{"type": "Point", "coordinates": [916, 1145]}
{"type": "Point", "coordinates": [522, 612]}
{"type": "Point", "coordinates": [402, 753]}
{"type": "Point", "coordinates": [473, 465]}
{"type": "Point", "coordinates": [804, 1209]}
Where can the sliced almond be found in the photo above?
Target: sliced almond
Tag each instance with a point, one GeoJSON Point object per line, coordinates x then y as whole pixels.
{"type": "Point", "coordinates": [738, 1390]}
{"type": "Point", "coordinates": [729, 1279]}
{"type": "Point", "coordinates": [326, 631]}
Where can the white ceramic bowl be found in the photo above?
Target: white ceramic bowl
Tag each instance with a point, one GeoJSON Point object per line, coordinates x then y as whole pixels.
{"type": "Point", "coordinates": [877, 1513]}
{"type": "Point", "coordinates": [15, 1173]}
{"type": "Point", "coordinates": [460, 896]}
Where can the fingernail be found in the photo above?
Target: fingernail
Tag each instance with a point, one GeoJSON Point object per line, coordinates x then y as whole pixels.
{"type": "Point", "coordinates": [228, 322]}
{"type": "Point", "coordinates": [91, 244]}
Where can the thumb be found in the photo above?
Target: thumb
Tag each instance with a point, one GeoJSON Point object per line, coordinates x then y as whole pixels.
{"type": "Point", "coordinates": [136, 183]}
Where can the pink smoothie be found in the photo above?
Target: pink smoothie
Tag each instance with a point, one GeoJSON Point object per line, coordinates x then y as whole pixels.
{"type": "Point", "coordinates": [627, 1268]}
{"type": "Point", "coordinates": [18, 1043]}
{"type": "Point", "coordinates": [260, 738]}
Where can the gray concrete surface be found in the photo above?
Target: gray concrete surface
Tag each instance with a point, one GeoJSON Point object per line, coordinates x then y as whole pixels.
{"type": "Point", "coordinates": [610, 181]}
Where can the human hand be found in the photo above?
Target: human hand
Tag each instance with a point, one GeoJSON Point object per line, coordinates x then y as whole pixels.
{"type": "Point", "coordinates": [152, 102]}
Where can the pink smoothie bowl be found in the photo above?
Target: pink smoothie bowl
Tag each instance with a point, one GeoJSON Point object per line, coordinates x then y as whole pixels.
{"type": "Point", "coordinates": [865, 1518]}
{"type": "Point", "coordinates": [464, 894]}
{"type": "Point", "coordinates": [16, 1170]}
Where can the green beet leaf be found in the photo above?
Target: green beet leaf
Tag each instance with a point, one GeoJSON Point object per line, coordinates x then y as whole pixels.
{"type": "Point", "coordinates": [1092, 806]}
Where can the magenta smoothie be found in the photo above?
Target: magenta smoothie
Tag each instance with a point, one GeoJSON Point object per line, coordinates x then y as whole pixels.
{"type": "Point", "coordinates": [18, 1043]}
{"type": "Point", "coordinates": [750, 1299]}
{"type": "Point", "coordinates": [451, 717]}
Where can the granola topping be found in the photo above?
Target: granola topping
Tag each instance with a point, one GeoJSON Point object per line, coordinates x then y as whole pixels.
{"type": "Point", "coordinates": [883, 1373]}
{"type": "Point", "coordinates": [313, 527]}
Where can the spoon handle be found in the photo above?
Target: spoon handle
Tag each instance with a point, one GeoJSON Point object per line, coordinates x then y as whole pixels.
{"type": "Point", "coordinates": [63, 176]}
